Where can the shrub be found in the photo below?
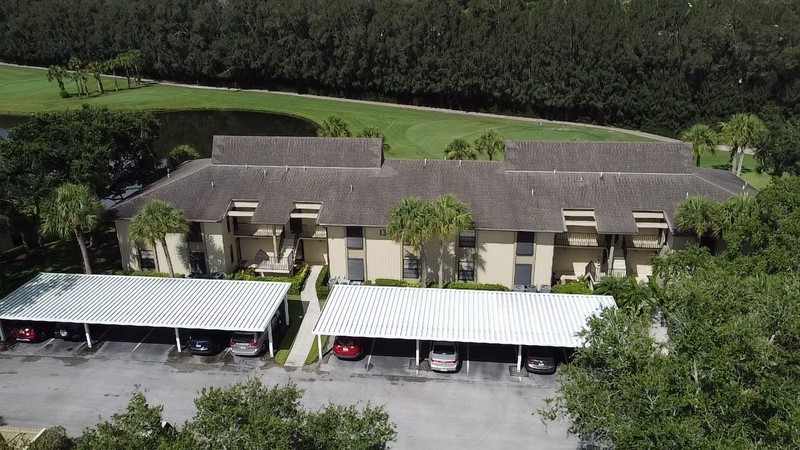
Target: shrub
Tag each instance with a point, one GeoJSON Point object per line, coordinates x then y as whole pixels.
{"type": "Point", "coordinates": [396, 283]}
{"type": "Point", "coordinates": [322, 284]}
{"type": "Point", "coordinates": [64, 94]}
{"type": "Point", "coordinates": [573, 287]}
{"type": "Point", "coordinates": [147, 273]}
{"type": "Point", "coordinates": [475, 286]}
{"type": "Point", "coordinates": [298, 280]}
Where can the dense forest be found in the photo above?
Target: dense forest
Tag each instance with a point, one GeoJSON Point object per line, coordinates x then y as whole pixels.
{"type": "Point", "coordinates": [656, 65]}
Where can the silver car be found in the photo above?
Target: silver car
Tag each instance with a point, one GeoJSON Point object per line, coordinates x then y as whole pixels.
{"type": "Point", "coordinates": [443, 357]}
{"type": "Point", "coordinates": [246, 343]}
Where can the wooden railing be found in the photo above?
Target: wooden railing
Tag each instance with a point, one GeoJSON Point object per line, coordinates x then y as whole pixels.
{"type": "Point", "coordinates": [579, 239]}
{"type": "Point", "coordinates": [650, 241]}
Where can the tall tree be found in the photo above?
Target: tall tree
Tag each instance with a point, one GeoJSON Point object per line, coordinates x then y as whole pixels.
{"type": "Point", "coordinates": [96, 69]}
{"type": "Point", "coordinates": [741, 133]}
{"type": "Point", "coordinates": [780, 152]}
{"type": "Point", "coordinates": [334, 126]}
{"type": "Point", "coordinates": [700, 215]}
{"type": "Point", "coordinates": [153, 222]}
{"type": "Point", "coordinates": [74, 211]}
{"type": "Point", "coordinates": [411, 223]}
{"type": "Point", "coordinates": [450, 217]}
{"type": "Point", "coordinates": [375, 132]}
{"type": "Point", "coordinates": [112, 65]}
{"type": "Point", "coordinates": [491, 143]}
{"type": "Point", "coordinates": [57, 73]}
{"type": "Point", "coordinates": [460, 149]}
{"type": "Point", "coordinates": [78, 75]}
{"type": "Point", "coordinates": [703, 140]}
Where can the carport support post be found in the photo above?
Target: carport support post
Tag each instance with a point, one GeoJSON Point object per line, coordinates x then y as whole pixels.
{"type": "Point", "coordinates": [178, 340]}
{"type": "Point", "coordinates": [416, 356]}
{"type": "Point", "coordinates": [286, 308]}
{"type": "Point", "coordinates": [319, 346]}
{"type": "Point", "coordinates": [519, 358]}
{"type": "Point", "coordinates": [269, 337]}
{"type": "Point", "coordinates": [2, 332]}
{"type": "Point", "coordinates": [88, 335]}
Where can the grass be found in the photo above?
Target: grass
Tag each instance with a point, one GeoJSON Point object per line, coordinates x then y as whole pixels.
{"type": "Point", "coordinates": [313, 354]}
{"type": "Point", "coordinates": [721, 160]}
{"type": "Point", "coordinates": [59, 256]}
{"type": "Point", "coordinates": [412, 134]}
{"type": "Point", "coordinates": [295, 319]}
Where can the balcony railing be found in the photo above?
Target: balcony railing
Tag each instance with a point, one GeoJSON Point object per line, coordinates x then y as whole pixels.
{"type": "Point", "coordinates": [284, 264]}
{"type": "Point", "coordinates": [314, 232]}
{"type": "Point", "coordinates": [649, 241]}
{"type": "Point", "coordinates": [254, 229]}
{"type": "Point", "coordinates": [579, 239]}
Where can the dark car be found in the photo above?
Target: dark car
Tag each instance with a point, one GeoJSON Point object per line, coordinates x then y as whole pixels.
{"type": "Point", "coordinates": [29, 332]}
{"type": "Point", "coordinates": [70, 331]}
{"type": "Point", "coordinates": [205, 342]}
{"type": "Point", "coordinates": [541, 360]}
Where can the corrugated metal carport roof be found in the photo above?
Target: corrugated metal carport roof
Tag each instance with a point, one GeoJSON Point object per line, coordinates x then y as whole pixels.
{"type": "Point", "coordinates": [145, 301]}
{"type": "Point", "coordinates": [517, 318]}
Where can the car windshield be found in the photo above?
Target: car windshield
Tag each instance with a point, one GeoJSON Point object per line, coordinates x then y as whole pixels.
{"type": "Point", "coordinates": [345, 341]}
{"type": "Point", "coordinates": [444, 348]}
{"type": "Point", "coordinates": [243, 337]}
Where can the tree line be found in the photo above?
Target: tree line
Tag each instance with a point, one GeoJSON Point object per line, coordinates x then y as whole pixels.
{"type": "Point", "coordinates": [78, 71]}
{"type": "Point", "coordinates": [655, 66]}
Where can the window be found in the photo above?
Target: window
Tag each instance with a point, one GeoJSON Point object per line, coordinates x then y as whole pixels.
{"type": "Point", "coordinates": [147, 259]}
{"type": "Point", "coordinates": [466, 239]}
{"type": "Point", "coordinates": [411, 268]}
{"type": "Point", "coordinates": [197, 261]}
{"type": "Point", "coordinates": [195, 232]}
{"type": "Point", "coordinates": [522, 274]}
{"type": "Point", "coordinates": [228, 223]}
{"type": "Point", "coordinates": [232, 255]}
{"type": "Point", "coordinates": [524, 243]}
{"type": "Point", "coordinates": [466, 271]}
{"type": "Point", "coordinates": [355, 238]}
{"type": "Point", "coordinates": [355, 269]}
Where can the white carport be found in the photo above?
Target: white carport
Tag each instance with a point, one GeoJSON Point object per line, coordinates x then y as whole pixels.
{"type": "Point", "coordinates": [487, 317]}
{"type": "Point", "coordinates": [147, 302]}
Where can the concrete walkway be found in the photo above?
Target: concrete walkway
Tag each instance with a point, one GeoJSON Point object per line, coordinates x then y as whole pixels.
{"type": "Point", "coordinates": [304, 339]}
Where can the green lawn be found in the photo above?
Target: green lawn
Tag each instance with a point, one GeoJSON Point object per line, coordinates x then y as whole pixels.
{"type": "Point", "coordinates": [411, 133]}
{"type": "Point", "coordinates": [295, 319]}
{"type": "Point", "coordinates": [721, 160]}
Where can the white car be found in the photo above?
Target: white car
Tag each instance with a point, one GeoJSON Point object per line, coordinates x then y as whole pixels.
{"type": "Point", "coordinates": [443, 357]}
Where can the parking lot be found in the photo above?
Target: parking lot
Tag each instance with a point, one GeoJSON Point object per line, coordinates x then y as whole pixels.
{"type": "Point", "coordinates": [395, 357]}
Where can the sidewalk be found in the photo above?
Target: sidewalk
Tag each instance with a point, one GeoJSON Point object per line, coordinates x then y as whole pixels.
{"type": "Point", "coordinates": [304, 340]}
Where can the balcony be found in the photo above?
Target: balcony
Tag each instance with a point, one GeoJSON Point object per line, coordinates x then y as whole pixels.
{"type": "Point", "coordinates": [255, 230]}
{"type": "Point", "coordinates": [283, 265]}
{"type": "Point", "coordinates": [647, 241]}
{"type": "Point", "coordinates": [579, 240]}
{"type": "Point", "coordinates": [314, 232]}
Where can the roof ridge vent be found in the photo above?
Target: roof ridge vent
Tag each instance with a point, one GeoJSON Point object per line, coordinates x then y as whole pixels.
{"type": "Point", "coordinates": [459, 163]}
{"type": "Point", "coordinates": [287, 167]}
{"type": "Point", "coordinates": [168, 173]}
{"type": "Point", "coordinates": [351, 188]}
{"type": "Point", "coordinates": [425, 164]}
{"type": "Point", "coordinates": [212, 185]}
{"type": "Point", "coordinates": [601, 175]}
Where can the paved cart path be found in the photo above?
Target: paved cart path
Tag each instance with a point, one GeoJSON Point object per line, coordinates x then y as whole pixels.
{"type": "Point", "coordinates": [304, 340]}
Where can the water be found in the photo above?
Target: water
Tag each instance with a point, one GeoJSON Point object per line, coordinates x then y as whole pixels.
{"type": "Point", "coordinates": [197, 128]}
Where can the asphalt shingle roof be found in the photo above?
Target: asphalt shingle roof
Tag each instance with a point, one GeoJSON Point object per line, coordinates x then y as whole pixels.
{"type": "Point", "coordinates": [297, 151]}
{"type": "Point", "coordinates": [499, 194]}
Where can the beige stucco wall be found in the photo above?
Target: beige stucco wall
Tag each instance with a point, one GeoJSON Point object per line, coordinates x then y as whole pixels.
{"type": "Point", "coordinates": [384, 257]}
{"type": "Point", "coordinates": [217, 241]}
{"type": "Point", "coordinates": [639, 262]}
{"type": "Point", "coordinates": [251, 246]}
{"type": "Point", "coordinates": [178, 253]}
{"type": "Point", "coordinates": [495, 261]}
{"type": "Point", "coordinates": [543, 258]}
{"type": "Point", "coordinates": [128, 252]}
{"type": "Point", "coordinates": [337, 252]}
{"type": "Point", "coordinates": [315, 251]}
{"type": "Point", "coordinates": [573, 261]}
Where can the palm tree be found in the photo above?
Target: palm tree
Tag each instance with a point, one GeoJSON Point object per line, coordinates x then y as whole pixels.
{"type": "Point", "coordinates": [450, 217]}
{"type": "Point", "coordinates": [410, 223]}
{"type": "Point", "coordinates": [737, 209]}
{"type": "Point", "coordinates": [96, 69]}
{"type": "Point", "coordinates": [703, 140]}
{"type": "Point", "coordinates": [460, 149]}
{"type": "Point", "coordinates": [73, 210]}
{"type": "Point", "coordinates": [57, 73]}
{"type": "Point", "coordinates": [490, 142]}
{"type": "Point", "coordinates": [628, 293]}
{"type": "Point", "coordinates": [111, 66]}
{"type": "Point", "coordinates": [375, 132]}
{"type": "Point", "coordinates": [334, 126]}
{"type": "Point", "coordinates": [741, 132]}
{"type": "Point", "coordinates": [699, 214]}
{"type": "Point", "coordinates": [135, 59]}
{"type": "Point", "coordinates": [152, 224]}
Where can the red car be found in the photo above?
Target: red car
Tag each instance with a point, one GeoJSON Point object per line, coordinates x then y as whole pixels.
{"type": "Point", "coordinates": [28, 333]}
{"type": "Point", "coordinates": [348, 347]}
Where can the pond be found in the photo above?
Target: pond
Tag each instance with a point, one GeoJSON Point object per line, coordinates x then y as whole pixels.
{"type": "Point", "coordinates": [197, 128]}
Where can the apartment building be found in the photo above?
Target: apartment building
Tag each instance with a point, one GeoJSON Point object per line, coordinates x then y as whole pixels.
{"type": "Point", "coordinates": [551, 211]}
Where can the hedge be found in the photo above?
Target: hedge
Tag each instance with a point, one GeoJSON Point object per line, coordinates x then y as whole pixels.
{"type": "Point", "coordinates": [322, 284]}
{"type": "Point", "coordinates": [298, 280]}
{"type": "Point", "coordinates": [396, 283]}
{"type": "Point", "coordinates": [147, 273]}
{"type": "Point", "coordinates": [475, 286]}
{"type": "Point", "coordinates": [573, 287]}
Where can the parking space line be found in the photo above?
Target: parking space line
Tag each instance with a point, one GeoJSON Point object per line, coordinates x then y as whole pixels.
{"type": "Point", "coordinates": [143, 339]}
{"type": "Point", "coordinates": [369, 357]}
